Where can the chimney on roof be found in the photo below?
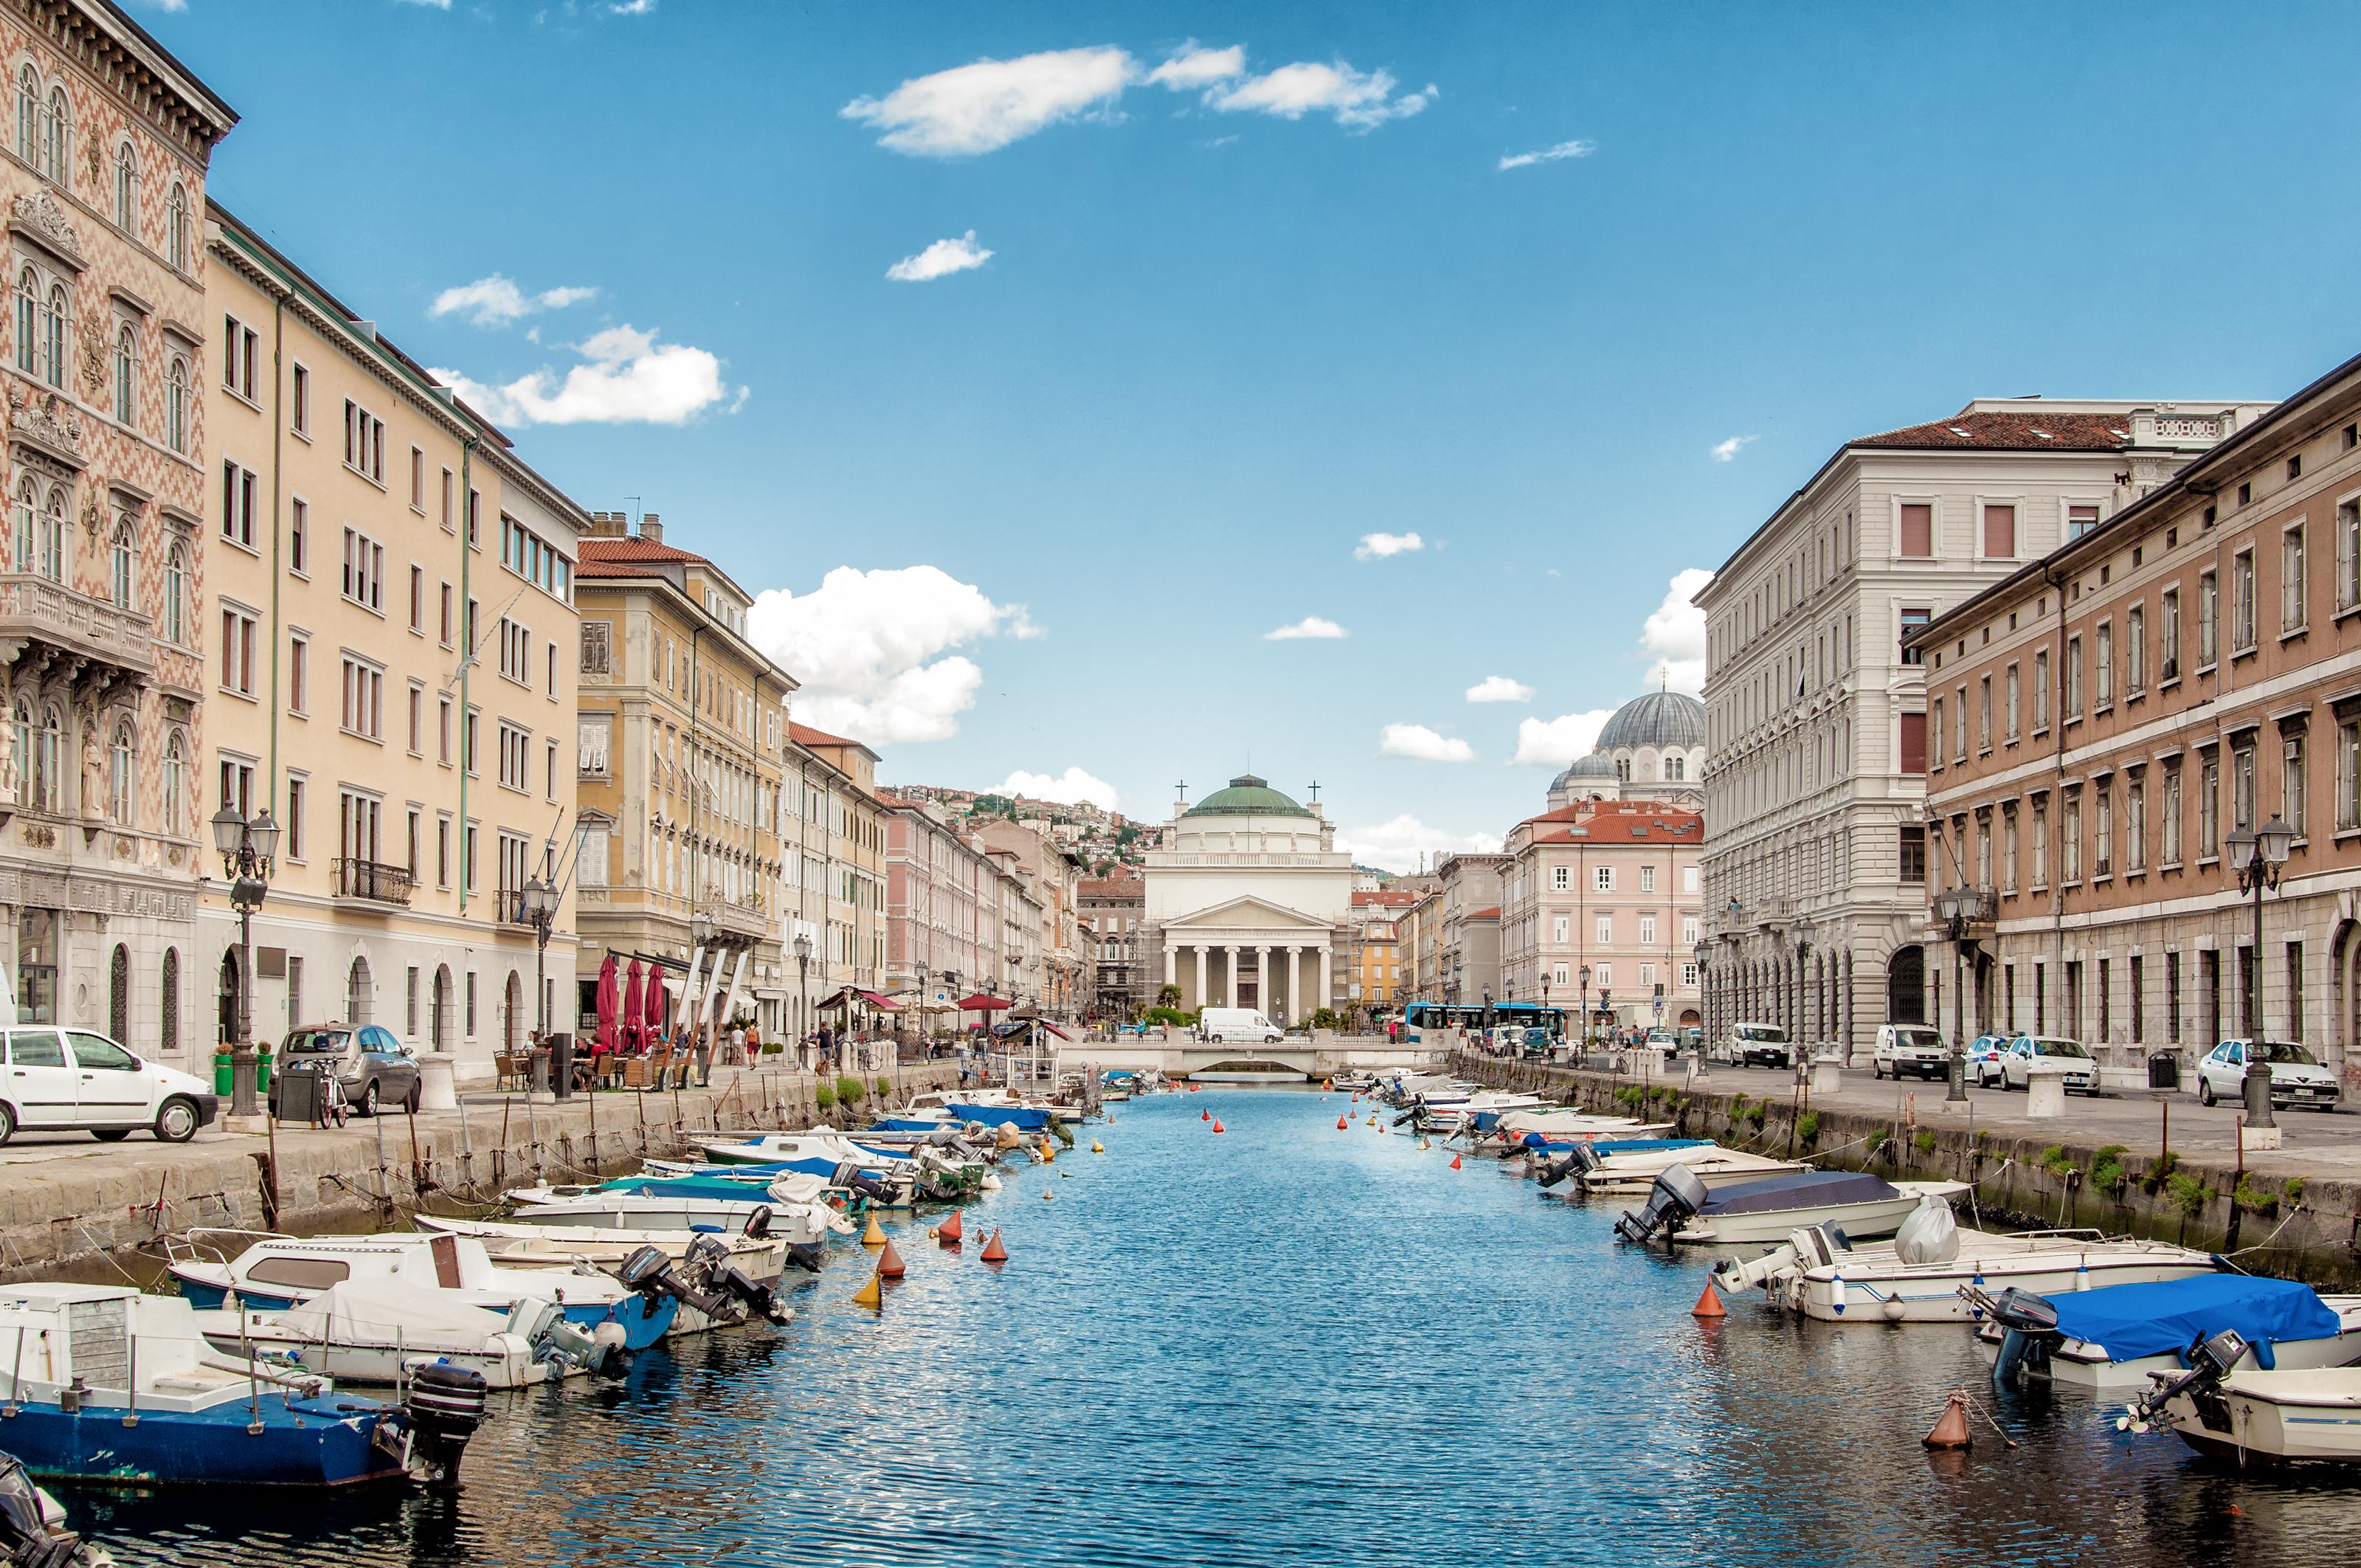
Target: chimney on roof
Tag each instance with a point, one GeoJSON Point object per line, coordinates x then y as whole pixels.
{"type": "Point", "coordinates": [651, 528]}
{"type": "Point", "coordinates": [606, 525]}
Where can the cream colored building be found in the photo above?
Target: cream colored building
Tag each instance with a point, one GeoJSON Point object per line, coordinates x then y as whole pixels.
{"type": "Point", "coordinates": [391, 645]}
{"type": "Point", "coordinates": [841, 895]}
{"type": "Point", "coordinates": [103, 639]}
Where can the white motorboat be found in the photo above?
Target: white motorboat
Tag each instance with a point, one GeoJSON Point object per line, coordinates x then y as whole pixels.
{"type": "Point", "coordinates": [380, 1331]}
{"type": "Point", "coordinates": [761, 1260]}
{"type": "Point", "coordinates": [1768, 1209]}
{"type": "Point", "coordinates": [686, 1204]}
{"type": "Point", "coordinates": [2249, 1417]}
{"type": "Point", "coordinates": [1816, 1275]}
{"type": "Point", "coordinates": [1565, 1126]}
{"type": "Point", "coordinates": [1634, 1175]}
{"type": "Point", "coordinates": [2114, 1339]}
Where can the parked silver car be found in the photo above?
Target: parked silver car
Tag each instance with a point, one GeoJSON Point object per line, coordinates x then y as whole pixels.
{"type": "Point", "coordinates": [2297, 1076]}
{"type": "Point", "coordinates": [372, 1067]}
{"type": "Point", "coordinates": [2012, 1069]}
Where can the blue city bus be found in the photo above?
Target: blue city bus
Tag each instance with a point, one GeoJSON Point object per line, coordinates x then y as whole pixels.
{"type": "Point", "coordinates": [1445, 1016]}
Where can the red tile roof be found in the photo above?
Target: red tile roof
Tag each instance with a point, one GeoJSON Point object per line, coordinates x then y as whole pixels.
{"type": "Point", "coordinates": [2031, 431]}
{"type": "Point", "coordinates": [1388, 897]}
{"type": "Point", "coordinates": [597, 557]}
{"type": "Point", "coordinates": [1492, 912]}
{"type": "Point", "coordinates": [1610, 821]}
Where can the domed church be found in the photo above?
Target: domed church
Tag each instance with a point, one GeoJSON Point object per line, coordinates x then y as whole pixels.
{"type": "Point", "coordinates": [1652, 748]}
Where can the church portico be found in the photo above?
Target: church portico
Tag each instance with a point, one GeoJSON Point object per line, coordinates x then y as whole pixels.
{"type": "Point", "coordinates": [1248, 902]}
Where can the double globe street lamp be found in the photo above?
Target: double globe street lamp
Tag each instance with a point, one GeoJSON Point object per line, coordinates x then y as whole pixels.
{"type": "Point", "coordinates": [1957, 909]}
{"type": "Point", "coordinates": [249, 845]}
{"type": "Point", "coordinates": [537, 907]}
{"type": "Point", "coordinates": [2256, 854]}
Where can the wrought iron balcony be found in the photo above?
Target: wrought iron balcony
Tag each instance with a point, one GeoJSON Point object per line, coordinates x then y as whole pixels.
{"type": "Point", "coordinates": [373, 881]}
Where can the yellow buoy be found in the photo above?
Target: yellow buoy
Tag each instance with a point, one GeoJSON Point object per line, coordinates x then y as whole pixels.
{"type": "Point", "coordinates": [874, 1235]}
{"type": "Point", "coordinates": [1097, 1148]}
{"type": "Point", "coordinates": [1049, 1153]}
{"type": "Point", "coordinates": [872, 1295]}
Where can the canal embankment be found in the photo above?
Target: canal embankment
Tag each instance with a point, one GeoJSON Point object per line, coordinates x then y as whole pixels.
{"type": "Point", "coordinates": [69, 1204]}
{"type": "Point", "coordinates": [2159, 1166]}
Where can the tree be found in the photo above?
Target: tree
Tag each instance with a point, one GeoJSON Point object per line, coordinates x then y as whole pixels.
{"type": "Point", "coordinates": [1168, 996]}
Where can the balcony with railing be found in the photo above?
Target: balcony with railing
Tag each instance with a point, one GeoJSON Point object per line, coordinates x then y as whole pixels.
{"type": "Point", "coordinates": [732, 920]}
{"type": "Point", "coordinates": [374, 882]}
{"type": "Point", "coordinates": [37, 613]}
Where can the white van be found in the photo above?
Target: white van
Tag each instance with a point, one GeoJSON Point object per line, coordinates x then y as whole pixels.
{"type": "Point", "coordinates": [78, 1080]}
{"type": "Point", "coordinates": [1237, 1026]}
{"type": "Point", "coordinates": [1910, 1047]}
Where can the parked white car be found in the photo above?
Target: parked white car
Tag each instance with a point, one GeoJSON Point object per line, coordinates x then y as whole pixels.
{"type": "Point", "coordinates": [1749, 1045]}
{"type": "Point", "coordinates": [2013, 1067]}
{"type": "Point", "coordinates": [1912, 1049]}
{"type": "Point", "coordinates": [76, 1080]}
{"type": "Point", "coordinates": [1237, 1026]}
{"type": "Point", "coordinates": [2297, 1077]}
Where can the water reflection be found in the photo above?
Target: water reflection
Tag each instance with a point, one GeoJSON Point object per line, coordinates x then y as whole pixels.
{"type": "Point", "coordinates": [1286, 1344]}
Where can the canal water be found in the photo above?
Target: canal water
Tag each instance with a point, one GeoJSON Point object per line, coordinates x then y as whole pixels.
{"type": "Point", "coordinates": [1281, 1344]}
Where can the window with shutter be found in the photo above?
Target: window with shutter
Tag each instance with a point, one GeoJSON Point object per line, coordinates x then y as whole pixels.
{"type": "Point", "coordinates": [2000, 531]}
{"type": "Point", "coordinates": [1917, 529]}
{"type": "Point", "coordinates": [1913, 743]}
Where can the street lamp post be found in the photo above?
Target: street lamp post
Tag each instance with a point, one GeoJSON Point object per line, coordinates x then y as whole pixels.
{"type": "Point", "coordinates": [247, 849]}
{"type": "Point", "coordinates": [1545, 985]}
{"type": "Point", "coordinates": [1951, 908]}
{"type": "Point", "coordinates": [2256, 855]}
{"type": "Point", "coordinates": [803, 947]}
{"type": "Point", "coordinates": [1705, 1009]}
{"type": "Point", "coordinates": [537, 901]}
{"type": "Point", "coordinates": [1586, 1009]}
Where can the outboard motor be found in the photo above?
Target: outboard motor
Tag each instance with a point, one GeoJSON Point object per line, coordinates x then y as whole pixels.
{"type": "Point", "coordinates": [544, 1326]}
{"type": "Point", "coordinates": [1557, 1170]}
{"type": "Point", "coordinates": [2210, 1361]}
{"type": "Point", "coordinates": [2028, 1330]}
{"type": "Point", "coordinates": [26, 1539]}
{"type": "Point", "coordinates": [849, 1176]}
{"type": "Point", "coordinates": [758, 1224]}
{"type": "Point", "coordinates": [759, 1299]}
{"type": "Point", "coordinates": [1677, 1195]}
{"type": "Point", "coordinates": [446, 1405]}
{"type": "Point", "coordinates": [651, 1273]}
{"type": "Point", "coordinates": [806, 1256]}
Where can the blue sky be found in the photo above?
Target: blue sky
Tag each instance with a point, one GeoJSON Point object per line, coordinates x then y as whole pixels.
{"type": "Point", "coordinates": [1242, 312]}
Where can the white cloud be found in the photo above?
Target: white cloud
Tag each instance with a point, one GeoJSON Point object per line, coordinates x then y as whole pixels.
{"type": "Point", "coordinates": [1673, 633]}
{"type": "Point", "coordinates": [632, 7]}
{"type": "Point", "coordinates": [978, 108]}
{"type": "Point", "coordinates": [1419, 742]}
{"type": "Point", "coordinates": [184, 5]}
{"type": "Point", "coordinates": [1548, 154]}
{"type": "Point", "coordinates": [1397, 845]}
{"type": "Point", "coordinates": [497, 300]}
{"type": "Point", "coordinates": [1723, 451]}
{"type": "Point", "coordinates": [1378, 546]}
{"type": "Point", "coordinates": [873, 649]}
{"type": "Point", "coordinates": [1358, 98]}
{"type": "Point", "coordinates": [1310, 626]}
{"type": "Point", "coordinates": [433, 4]}
{"type": "Point", "coordinates": [1554, 743]}
{"type": "Point", "coordinates": [1192, 68]}
{"type": "Point", "coordinates": [629, 379]}
{"type": "Point", "coordinates": [1067, 788]}
{"type": "Point", "coordinates": [1499, 688]}
{"type": "Point", "coordinates": [940, 259]}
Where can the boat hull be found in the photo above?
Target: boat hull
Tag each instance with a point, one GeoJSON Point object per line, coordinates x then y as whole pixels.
{"type": "Point", "coordinates": [1866, 1220]}
{"type": "Point", "coordinates": [1931, 1293]}
{"type": "Point", "coordinates": [2278, 1417]}
{"type": "Point", "coordinates": [303, 1442]}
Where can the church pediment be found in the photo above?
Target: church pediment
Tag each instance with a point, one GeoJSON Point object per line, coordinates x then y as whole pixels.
{"type": "Point", "coordinates": [1246, 914]}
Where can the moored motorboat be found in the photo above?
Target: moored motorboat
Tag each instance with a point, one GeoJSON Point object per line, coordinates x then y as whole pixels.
{"type": "Point", "coordinates": [106, 1385]}
{"type": "Point", "coordinates": [691, 1202]}
{"type": "Point", "coordinates": [1634, 1174]}
{"type": "Point", "coordinates": [382, 1331]}
{"type": "Point", "coordinates": [555, 1246]}
{"type": "Point", "coordinates": [1768, 1209]}
{"type": "Point", "coordinates": [2249, 1417]}
{"type": "Point", "coordinates": [2114, 1338]}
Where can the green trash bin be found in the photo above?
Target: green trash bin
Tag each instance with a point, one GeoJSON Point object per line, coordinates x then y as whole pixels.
{"type": "Point", "coordinates": [222, 1085]}
{"type": "Point", "coordinates": [262, 1073]}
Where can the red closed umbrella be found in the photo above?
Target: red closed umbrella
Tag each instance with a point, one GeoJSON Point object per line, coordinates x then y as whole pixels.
{"type": "Point", "coordinates": [635, 1037]}
{"type": "Point", "coordinates": [656, 1005]}
{"type": "Point", "coordinates": [608, 1003]}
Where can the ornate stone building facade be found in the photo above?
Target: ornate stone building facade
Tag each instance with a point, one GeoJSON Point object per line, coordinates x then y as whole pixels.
{"type": "Point", "coordinates": [102, 164]}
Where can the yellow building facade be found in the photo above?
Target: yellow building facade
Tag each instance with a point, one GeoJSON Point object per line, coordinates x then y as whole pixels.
{"type": "Point", "coordinates": [391, 655]}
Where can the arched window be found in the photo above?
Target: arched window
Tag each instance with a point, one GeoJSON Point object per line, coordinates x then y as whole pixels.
{"type": "Point", "coordinates": [120, 774]}
{"type": "Point", "coordinates": [167, 1035]}
{"type": "Point", "coordinates": [127, 376]}
{"type": "Point", "coordinates": [118, 993]}
{"type": "Point", "coordinates": [29, 322]}
{"type": "Point", "coordinates": [122, 577]}
{"type": "Point", "coordinates": [29, 115]}
{"type": "Point", "coordinates": [126, 189]}
{"type": "Point", "coordinates": [176, 406]}
{"type": "Point", "coordinates": [55, 134]}
{"type": "Point", "coordinates": [53, 336]}
{"type": "Point", "coordinates": [176, 598]}
{"type": "Point", "coordinates": [46, 745]}
{"type": "Point", "coordinates": [176, 226]}
{"type": "Point", "coordinates": [21, 551]}
{"type": "Point", "coordinates": [20, 751]}
{"type": "Point", "coordinates": [176, 784]}
{"type": "Point", "coordinates": [51, 538]}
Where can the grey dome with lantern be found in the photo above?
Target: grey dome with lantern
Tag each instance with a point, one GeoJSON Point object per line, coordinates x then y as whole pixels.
{"type": "Point", "coordinates": [1652, 747]}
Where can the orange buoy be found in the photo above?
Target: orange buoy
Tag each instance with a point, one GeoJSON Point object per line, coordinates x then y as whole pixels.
{"type": "Point", "coordinates": [889, 1263]}
{"type": "Point", "coordinates": [1454, 1164]}
{"type": "Point", "coordinates": [1709, 1302]}
{"type": "Point", "coordinates": [1340, 1124]}
{"type": "Point", "coordinates": [872, 1295]}
{"type": "Point", "coordinates": [1951, 1425]}
{"type": "Point", "coordinates": [1217, 1126]}
{"type": "Point", "coordinates": [993, 1251]}
{"type": "Point", "coordinates": [949, 1232]}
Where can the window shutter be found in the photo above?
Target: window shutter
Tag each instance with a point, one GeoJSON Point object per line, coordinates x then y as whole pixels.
{"type": "Point", "coordinates": [2000, 531]}
{"type": "Point", "coordinates": [1913, 743]}
{"type": "Point", "coordinates": [1917, 529]}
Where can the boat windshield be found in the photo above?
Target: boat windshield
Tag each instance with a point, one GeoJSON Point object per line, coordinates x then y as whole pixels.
{"type": "Point", "coordinates": [318, 1042]}
{"type": "Point", "coordinates": [2285, 1051]}
{"type": "Point", "coordinates": [2060, 1048]}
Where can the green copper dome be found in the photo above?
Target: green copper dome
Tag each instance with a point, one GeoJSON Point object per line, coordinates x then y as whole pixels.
{"type": "Point", "coordinates": [1246, 796]}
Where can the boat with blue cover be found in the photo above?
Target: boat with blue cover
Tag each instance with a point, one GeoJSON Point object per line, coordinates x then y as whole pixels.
{"type": "Point", "coordinates": [107, 1385]}
{"type": "Point", "coordinates": [2113, 1338]}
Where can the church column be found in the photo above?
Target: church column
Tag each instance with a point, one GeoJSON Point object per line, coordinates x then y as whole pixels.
{"type": "Point", "coordinates": [1322, 997]}
{"type": "Point", "coordinates": [1287, 969]}
{"type": "Point", "coordinates": [1230, 957]}
{"type": "Point", "coordinates": [1199, 1000]}
{"type": "Point", "coordinates": [1171, 963]}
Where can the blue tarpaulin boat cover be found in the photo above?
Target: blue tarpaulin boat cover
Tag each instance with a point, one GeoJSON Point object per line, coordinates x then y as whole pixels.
{"type": "Point", "coordinates": [1807, 1189]}
{"type": "Point", "coordinates": [2133, 1320]}
{"type": "Point", "coordinates": [1609, 1145]}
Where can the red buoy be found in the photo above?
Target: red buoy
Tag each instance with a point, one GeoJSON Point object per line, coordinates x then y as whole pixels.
{"type": "Point", "coordinates": [1204, 1116]}
{"type": "Point", "coordinates": [1217, 1125]}
{"type": "Point", "coordinates": [1455, 1162]}
{"type": "Point", "coordinates": [1340, 1124]}
{"type": "Point", "coordinates": [889, 1264]}
{"type": "Point", "coordinates": [1951, 1425]}
{"type": "Point", "coordinates": [1709, 1302]}
{"type": "Point", "coordinates": [993, 1251]}
{"type": "Point", "coordinates": [949, 1232]}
